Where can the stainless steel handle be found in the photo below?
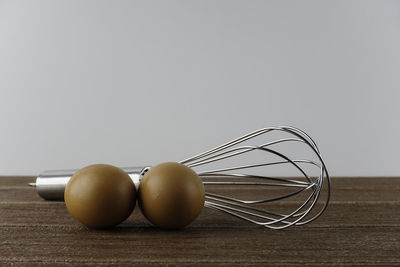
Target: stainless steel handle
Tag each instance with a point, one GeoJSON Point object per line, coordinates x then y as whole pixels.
{"type": "Point", "coordinates": [50, 185]}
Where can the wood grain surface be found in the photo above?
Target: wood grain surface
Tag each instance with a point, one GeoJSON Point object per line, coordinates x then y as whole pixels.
{"type": "Point", "coordinates": [360, 227]}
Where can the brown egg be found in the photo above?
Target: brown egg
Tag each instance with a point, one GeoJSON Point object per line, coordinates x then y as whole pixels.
{"type": "Point", "coordinates": [171, 195]}
{"type": "Point", "coordinates": [100, 196]}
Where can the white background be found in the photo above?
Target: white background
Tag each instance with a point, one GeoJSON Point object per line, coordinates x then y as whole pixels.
{"type": "Point", "coordinates": [131, 83]}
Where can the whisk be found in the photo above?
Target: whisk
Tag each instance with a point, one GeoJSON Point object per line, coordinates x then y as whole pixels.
{"type": "Point", "coordinates": [310, 188]}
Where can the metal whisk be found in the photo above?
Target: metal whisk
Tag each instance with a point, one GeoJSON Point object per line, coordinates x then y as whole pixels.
{"type": "Point", "coordinates": [310, 186]}
{"type": "Point", "coordinates": [237, 170]}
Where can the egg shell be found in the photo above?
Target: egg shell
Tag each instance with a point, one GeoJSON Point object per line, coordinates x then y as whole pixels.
{"type": "Point", "coordinates": [171, 195]}
{"type": "Point", "coordinates": [100, 196]}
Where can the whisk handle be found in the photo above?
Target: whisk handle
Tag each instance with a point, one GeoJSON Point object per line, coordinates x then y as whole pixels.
{"type": "Point", "coordinates": [51, 184]}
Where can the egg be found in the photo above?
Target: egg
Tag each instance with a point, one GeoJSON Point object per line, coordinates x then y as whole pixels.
{"type": "Point", "coordinates": [171, 195]}
{"type": "Point", "coordinates": [100, 196]}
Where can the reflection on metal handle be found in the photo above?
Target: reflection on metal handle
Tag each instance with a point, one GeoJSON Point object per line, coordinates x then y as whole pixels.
{"type": "Point", "coordinates": [50, 185]}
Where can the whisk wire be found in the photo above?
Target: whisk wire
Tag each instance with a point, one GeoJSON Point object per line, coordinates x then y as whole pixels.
{"type": "Point", "coordinates": [246, 209]}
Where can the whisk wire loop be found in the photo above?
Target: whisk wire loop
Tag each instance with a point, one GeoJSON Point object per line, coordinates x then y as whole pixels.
{"type": "Point", "coordinates": [261, 211]}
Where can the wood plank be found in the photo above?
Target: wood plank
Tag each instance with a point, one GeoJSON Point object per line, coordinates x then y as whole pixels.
{"type": "Point", "coordinates": [360, 227]}
{"type": "Point", "coordinates": [337, 215]}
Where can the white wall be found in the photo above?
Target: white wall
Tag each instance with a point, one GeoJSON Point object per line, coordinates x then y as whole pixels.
{"type": "Point", "coordinates": [132, 83]}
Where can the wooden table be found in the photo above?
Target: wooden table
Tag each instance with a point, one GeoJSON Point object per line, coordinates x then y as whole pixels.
{"type": "Point", "coordinates": [360, 227]}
